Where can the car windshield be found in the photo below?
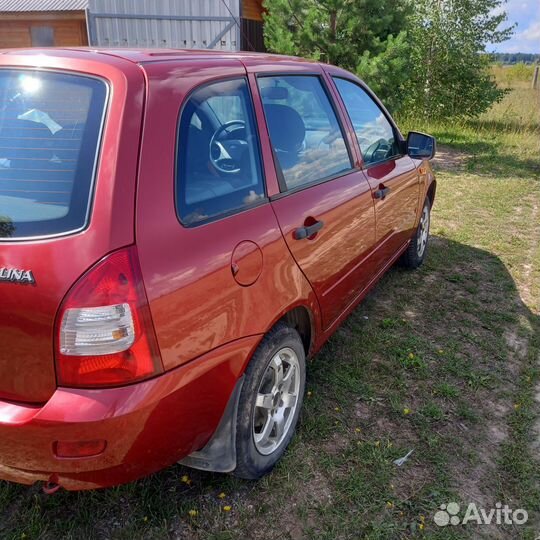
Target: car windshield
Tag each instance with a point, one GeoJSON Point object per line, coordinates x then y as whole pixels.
{"type": "Point", "coordinates": [49, 131]}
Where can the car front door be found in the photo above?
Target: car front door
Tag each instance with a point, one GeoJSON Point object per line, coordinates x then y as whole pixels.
{"type": "Point", "coordinates": [391, 174]}
{"type": "Point", "coordinates": [325, 207]}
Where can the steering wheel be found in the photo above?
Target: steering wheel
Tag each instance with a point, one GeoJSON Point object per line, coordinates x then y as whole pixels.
{"type": "Point", "coordinates": [224, 155]}
{"type": "Point", "coordinates": [378, 151]}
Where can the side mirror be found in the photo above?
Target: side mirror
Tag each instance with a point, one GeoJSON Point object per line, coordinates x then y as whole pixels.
{"type": "Point", "coordinates": [420, 145]}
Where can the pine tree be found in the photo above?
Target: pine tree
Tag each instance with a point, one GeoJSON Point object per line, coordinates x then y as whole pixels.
{"type": "Point", "coordinates": [334, 31]}
{"type": "Point", "coordinates": [364, 36]}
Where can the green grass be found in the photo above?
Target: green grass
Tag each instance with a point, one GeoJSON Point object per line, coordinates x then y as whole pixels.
{"type": "Point", "coordinates": [442, 361]}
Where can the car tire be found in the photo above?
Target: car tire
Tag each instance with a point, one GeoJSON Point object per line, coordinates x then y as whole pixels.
{"type": "Point", "coordinates": [270, 402]}
{"type": "Point", "coordinates": [415, 253]}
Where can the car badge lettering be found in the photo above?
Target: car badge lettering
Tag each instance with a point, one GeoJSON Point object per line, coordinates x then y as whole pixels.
{"type": "Point", "coordinates": [17, 275]}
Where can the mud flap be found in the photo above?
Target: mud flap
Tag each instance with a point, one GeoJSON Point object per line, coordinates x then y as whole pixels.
{"type": "Point", "coordinates": [219, 454]}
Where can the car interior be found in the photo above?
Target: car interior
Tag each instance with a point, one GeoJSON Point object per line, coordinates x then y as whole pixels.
{"type": "Point", "coordinates": [305, 134]}
{"type": "Point", "coordinates": [218, 158]}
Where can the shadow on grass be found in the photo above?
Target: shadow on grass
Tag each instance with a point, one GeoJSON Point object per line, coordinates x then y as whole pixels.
{"type": "Point", "coordinates": [501, 165]}
{"type": "Point", "coordinates": [489, 157]}
{"type": "Point", "coordinates": [491, 147]}
{"type": "Point", "coordinates": [460, 288]}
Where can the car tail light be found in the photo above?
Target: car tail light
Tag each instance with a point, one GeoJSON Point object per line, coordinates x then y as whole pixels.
{"type": "Point", "coordinates": [105, 335]}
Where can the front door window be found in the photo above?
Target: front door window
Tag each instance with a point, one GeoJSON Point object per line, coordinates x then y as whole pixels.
{"type": "Point", "coordinates": [304, 131]}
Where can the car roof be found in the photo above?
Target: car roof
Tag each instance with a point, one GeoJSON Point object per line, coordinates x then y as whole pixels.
{"type": "Point", "coordinates": [139, 56]}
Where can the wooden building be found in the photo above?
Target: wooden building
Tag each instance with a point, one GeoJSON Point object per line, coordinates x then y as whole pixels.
{"type": "Point", "coordinates": [218, 24]}
{"type": "Point", "coordinates": [43, 23]}
{"type": "Point", "coordinates": [252, 25]}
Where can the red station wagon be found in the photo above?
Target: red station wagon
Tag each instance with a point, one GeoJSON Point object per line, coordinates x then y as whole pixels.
{"type": "Point", "coordinates": [179, 231]}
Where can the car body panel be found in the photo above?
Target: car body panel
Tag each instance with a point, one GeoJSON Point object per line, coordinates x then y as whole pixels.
{"type": "Point", "coordinates": [337, 259]}
{"type": "Point", "coordinates": [28, 312]}
{"type": "Point", "coordinates": [147, 426]}
{"type": "Point", "coordinates": [396, 213]}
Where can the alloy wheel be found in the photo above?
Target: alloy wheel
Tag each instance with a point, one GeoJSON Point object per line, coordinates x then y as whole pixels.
{"type": "Point", "coordinates": [423, 232]}
{"type": "Point", "coordinates": [276, 402]}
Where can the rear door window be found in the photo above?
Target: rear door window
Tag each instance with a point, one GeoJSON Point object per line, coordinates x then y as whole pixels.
{"type": "Point", "coordinates": [218, 164]}
{"type": "Point", "coordinates": [50, 127]}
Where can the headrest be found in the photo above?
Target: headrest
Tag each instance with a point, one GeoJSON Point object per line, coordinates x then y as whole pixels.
{"type": "Point", "coordinates": [287, 129]}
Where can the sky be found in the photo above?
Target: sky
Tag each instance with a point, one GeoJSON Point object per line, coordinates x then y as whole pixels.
{"type": "Point", "coordinates": [526, 38]}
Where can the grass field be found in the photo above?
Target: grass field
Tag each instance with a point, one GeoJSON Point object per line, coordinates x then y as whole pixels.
{"type": "Point", "coordinates": [443, 361]}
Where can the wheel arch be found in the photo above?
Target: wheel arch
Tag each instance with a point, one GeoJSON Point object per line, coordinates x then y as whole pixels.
{"type": "Point", "coordinates": [430, 194]}
{"type": "Point", "coordinates": [220, 452]}
{"type": "Point", "coordinates": [301, 319]}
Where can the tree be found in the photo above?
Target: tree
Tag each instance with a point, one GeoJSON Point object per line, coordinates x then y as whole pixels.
{"type": "Point", "coordinates": [363, 36]}
{"type": "Point", "coordinates": [516, 58]}
{"type": "Point", "coordinates": [422, 57]}
{"type": "Point", "coordinates": [6, 227]}
{"type": "Point", "coordinates": [449, 72]}
{"type": "Point", "coordinates": [388, 71]}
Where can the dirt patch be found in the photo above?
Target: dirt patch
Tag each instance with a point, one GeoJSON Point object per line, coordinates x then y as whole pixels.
{"type": "Point", "coordinates": [449, 159]}
{"type": "Point", "coordinates": [410, 479]}
{"type": "Point", "coordinates": [363, 411]}
{"type": "Point", "coordinates": [335, 445]}
{"type": "Point", "coordinates": [516, 343]}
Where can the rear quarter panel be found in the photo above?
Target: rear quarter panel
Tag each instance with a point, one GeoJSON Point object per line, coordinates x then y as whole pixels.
{"type": "Point", "coordinates": [27, 314]}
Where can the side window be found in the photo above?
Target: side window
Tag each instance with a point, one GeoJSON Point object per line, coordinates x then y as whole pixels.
{"type": "Point", "coordinates": [304, 131]}
{"type": "Point", "coordinates": [218, 168]}
{"type": "Point", "coordinates": [374, 132]}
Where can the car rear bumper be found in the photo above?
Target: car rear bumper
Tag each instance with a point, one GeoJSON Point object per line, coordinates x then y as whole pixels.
{"type": "Point", "coordinates": [146, 426]}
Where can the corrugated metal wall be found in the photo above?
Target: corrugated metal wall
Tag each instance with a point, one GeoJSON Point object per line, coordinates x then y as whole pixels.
{"type": "Point", "coordinates": [181, 24]}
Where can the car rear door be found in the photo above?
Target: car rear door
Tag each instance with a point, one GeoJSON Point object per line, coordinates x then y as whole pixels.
{"type": "Point", "coordinates": [324, 206]}
{"type": "Point", "coordinates": [215, 266]}
{"type": "Point", "coordinates": [391, 174]}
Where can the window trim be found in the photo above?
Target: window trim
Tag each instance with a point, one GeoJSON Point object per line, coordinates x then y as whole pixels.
{"type": "Point", "coordinates": [283, 189]}
{"type": "Point", "coordinates": [302, 187]}
{"type": "Point", "coordinates": [397, 133]}
{"type": "Point", "coordinates": [99, 148]}
{"type": "Point", "coordinates": [229, 213]}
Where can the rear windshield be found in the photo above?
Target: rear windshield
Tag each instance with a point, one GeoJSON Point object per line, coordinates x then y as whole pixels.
{"type": "Point", "coordinates": [49, 131]}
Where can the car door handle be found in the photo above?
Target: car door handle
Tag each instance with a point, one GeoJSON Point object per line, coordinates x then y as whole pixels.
{"type": "Point", "coordinates": [381, 193]}
{"type": "Point", "coordinates": [310, 230]}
